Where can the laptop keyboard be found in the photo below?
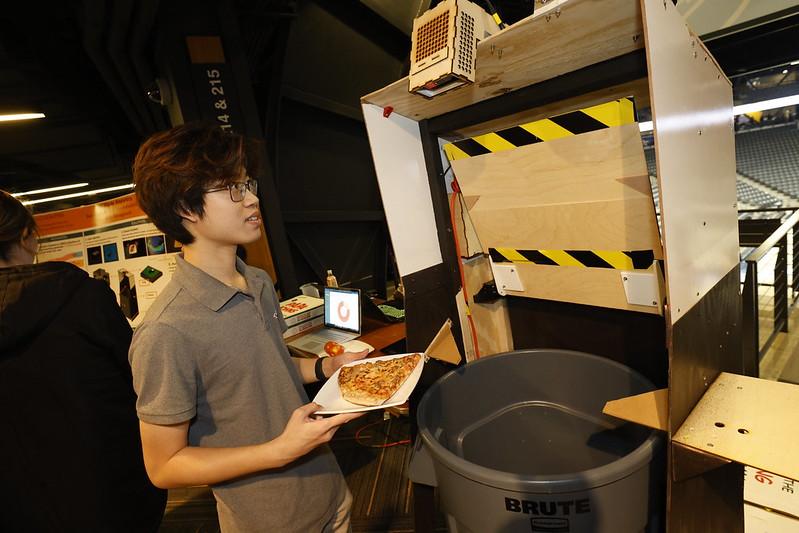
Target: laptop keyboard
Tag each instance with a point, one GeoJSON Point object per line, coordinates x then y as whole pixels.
{"type": "Point", "coordinates": [315, 342]}
{"type": "Point", "coordinates": [339, 336]}
{"type": "Point", "coordinates": [313, 347]}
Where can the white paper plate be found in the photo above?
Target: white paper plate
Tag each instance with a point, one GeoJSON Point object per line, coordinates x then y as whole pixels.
{"type": "Point", "coordinates": [329, 396]}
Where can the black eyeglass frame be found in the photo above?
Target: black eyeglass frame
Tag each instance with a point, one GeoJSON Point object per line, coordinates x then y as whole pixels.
{"type": "Point", "coordinates": [241, 188]}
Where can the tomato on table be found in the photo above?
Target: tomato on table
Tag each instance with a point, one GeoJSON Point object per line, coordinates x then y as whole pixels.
{"type": "Point", "coordinates": [333, 348]}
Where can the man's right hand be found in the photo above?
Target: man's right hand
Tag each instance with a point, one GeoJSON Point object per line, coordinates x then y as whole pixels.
{"type": "Point", "coordinates": [304, 432]}
{"type": "Point", "coordinates": [172, 463]}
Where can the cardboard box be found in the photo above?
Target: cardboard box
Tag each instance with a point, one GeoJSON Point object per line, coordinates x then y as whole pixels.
{"type": "Point", "coordinates": [303, 326]}
{"type": "Point", "coordinates": [301, 308]}
{"type": "Point", "coordinates": [757, 520]}
{"type": "Point", "coordinates": [771, 490]}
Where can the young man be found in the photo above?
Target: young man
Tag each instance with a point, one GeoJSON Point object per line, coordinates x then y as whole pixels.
{"type": "Point", "coordinates": [220, 400]}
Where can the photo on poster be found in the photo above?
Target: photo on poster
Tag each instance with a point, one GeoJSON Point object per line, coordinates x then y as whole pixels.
{"type": "Point", "coordinates": [134, 248]}
{"type": "Point", "coordinates": [173, 246]}
{"type": "Point", "coordinates": [156, 245]}
{"type": "Point", "coordinates": [102, 275]}
{"type": "Point", "coordinates": [128, 298]}
{"type": "Point", "coordinates": [151, 274]}
{"type": "Point", "coordinates": [94, 255]}
{"type": "Point", "coordinates": [110, 252]}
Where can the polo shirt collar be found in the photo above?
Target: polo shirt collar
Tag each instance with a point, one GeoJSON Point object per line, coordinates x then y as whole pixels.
{"type": "Point", "coordinates": [208, 290]}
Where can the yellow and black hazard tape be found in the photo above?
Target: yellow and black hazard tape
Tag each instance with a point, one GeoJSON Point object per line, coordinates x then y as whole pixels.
{"type": "Point", "coordinates": [607, 115]}
{"type": "Point", "coordinates": [627, 260]}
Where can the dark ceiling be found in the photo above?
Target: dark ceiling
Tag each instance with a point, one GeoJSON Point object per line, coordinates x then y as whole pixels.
{"type": "Point", "coordinates": [44, 67]}
{"type": "Point", "coordinates": [87, 63]}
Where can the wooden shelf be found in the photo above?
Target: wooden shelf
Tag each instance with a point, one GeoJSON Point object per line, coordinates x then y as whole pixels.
{"type": "Point", "coordinates": [561, 37]}
{"type": "Point", "coordinates": [747, 420]}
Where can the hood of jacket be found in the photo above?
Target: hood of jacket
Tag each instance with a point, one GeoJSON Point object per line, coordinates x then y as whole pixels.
{"type": "Point", "coordinates": [31, 297]}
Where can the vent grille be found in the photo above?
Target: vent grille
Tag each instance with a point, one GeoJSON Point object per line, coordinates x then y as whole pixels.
{"type": "Point", "coordinates": [466, 48]}
{"type": "Point", "coordinates": [432, 36]}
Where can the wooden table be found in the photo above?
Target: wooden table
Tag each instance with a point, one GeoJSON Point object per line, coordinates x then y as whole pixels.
{"type": "Point", "coordinates": [379, 335]}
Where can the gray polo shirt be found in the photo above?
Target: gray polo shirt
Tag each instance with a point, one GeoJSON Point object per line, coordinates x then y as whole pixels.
{"type": "Point", "coordinates": [213, 355]}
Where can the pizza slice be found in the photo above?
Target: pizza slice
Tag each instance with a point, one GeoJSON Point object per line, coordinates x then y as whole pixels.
{"type": "Point", "coordinates": [372, 383]}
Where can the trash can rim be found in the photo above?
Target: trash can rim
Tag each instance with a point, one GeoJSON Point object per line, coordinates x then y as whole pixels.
{"type": "Point", "coordinates": [605, 474]}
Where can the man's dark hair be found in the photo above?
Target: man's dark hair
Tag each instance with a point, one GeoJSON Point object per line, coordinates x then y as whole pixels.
{"type": "Point", "coordinates": [173, 168]}
{"type": "Point", "coordinates": [16, 224]}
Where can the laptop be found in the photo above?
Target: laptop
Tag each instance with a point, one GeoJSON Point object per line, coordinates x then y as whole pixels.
{"type": "Point", "coordinates": [342, 321]}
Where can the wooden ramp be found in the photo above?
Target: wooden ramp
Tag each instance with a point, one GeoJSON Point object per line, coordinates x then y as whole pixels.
{"type": "Point", "coordinates": [588, 192]}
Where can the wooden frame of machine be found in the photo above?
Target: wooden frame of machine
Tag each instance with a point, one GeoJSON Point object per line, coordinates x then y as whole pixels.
{"type": "Point", "coordinates": [578, 250]}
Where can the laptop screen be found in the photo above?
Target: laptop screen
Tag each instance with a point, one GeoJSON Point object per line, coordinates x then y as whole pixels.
{"type": "Point", "coordinates": [343, 309]}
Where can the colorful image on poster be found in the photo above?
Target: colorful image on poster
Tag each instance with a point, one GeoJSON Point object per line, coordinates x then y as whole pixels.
{"type": "Point", "coordinates": [151, 274]}
{"type": "Point", "coordinates": [173, 246]}
{"type": "Point", "coordinates": [94, 255]}
{"type": "Point", "coordinates": [134, 248]}
{"type": "Point", "coordinates": [110, 252]}
{"type": "Point", "coordinates": [155, 245]}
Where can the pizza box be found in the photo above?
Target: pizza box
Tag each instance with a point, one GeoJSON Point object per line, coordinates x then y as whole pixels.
{"type": "Point", "coordinates": [762, 520]}
{"type": "Point", "coordinates": [298, 328]}
{"type": "Point", "coordinates": [329, 396]}
{"type": "Point", "coordinates": [301, 308]}
{"type": "Point", "coordinates": [771, 491]}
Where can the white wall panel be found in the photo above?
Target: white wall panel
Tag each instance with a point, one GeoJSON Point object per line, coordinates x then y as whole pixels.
{"type": "Point", "coordinates": [402, 177]}
{"type": "Point", "coordinates": [695, 149]}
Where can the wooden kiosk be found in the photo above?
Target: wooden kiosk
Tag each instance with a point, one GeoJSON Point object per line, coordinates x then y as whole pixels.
{"type": "Point", "coordinates": [567, 225]}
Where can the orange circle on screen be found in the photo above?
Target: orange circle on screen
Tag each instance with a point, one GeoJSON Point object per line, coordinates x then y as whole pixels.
{"type": "Point", "coordinates": [343, 312]}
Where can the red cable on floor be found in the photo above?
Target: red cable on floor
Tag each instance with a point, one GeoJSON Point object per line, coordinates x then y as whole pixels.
{"type": "Point", "coordinates": [386, 445]}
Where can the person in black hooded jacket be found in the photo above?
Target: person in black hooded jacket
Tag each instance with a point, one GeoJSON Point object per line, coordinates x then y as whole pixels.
{"type": "Point", "coordinates": [70, 451]}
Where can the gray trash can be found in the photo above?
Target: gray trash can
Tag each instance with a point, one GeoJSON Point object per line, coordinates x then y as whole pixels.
{"type": "Point", "coordinates": [518, 443]}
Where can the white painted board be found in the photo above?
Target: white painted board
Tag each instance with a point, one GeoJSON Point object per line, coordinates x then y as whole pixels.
{"type": "Point", "coordinates": [402, 178]}
{"type": "Point", "coordinates": [695, 149]}
{"type": "Point", "coordinates": [759, 520]}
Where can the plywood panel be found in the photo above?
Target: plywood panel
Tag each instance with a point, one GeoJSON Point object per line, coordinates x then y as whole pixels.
{"type": "Point", "coordinates": [606, 225]}
{"type": "Point", "coordinates": [650, 409]}
{"type": "Point", "coordinates": [582, 192]}
{"type": "Point", "coordinates": [468, 241]}
{"type": "Point", "coordinates": [638, 89]}
{"type": "Point", "coordinates": [588, 191]}
{"type": "Point", "coordinates": [747, 420]}
{"type": "Point", "coordinates": [564, 35]}
{"type": "Point", "coordinates": [694, 144]}
{"type": "Point", "coordinates": [706, 342]}
{"type": "Point", "coordinates": [491, 320]}
{"type": "Point", "coordinates": [710, 503]}
{"type": "Point", "coordinates": [402, 178]}
{"type": "Point", "coordinates": [600, 287]}
{"type": "Point", "coordinates": [557, 170]}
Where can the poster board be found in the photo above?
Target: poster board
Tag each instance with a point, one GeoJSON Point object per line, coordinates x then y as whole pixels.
{"type": "Point", "coordinates": [115, 242]}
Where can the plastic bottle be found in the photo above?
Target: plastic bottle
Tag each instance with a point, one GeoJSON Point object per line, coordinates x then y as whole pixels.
{"type": "Point", "coordinates": [331, 280]}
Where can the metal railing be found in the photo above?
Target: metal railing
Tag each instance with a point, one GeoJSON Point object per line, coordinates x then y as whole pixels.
{"type": "Point", "coordinates": [752, 350]}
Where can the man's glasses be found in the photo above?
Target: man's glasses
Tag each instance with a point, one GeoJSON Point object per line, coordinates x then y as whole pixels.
{"type": "Point", "coordinates": [238, 189]}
